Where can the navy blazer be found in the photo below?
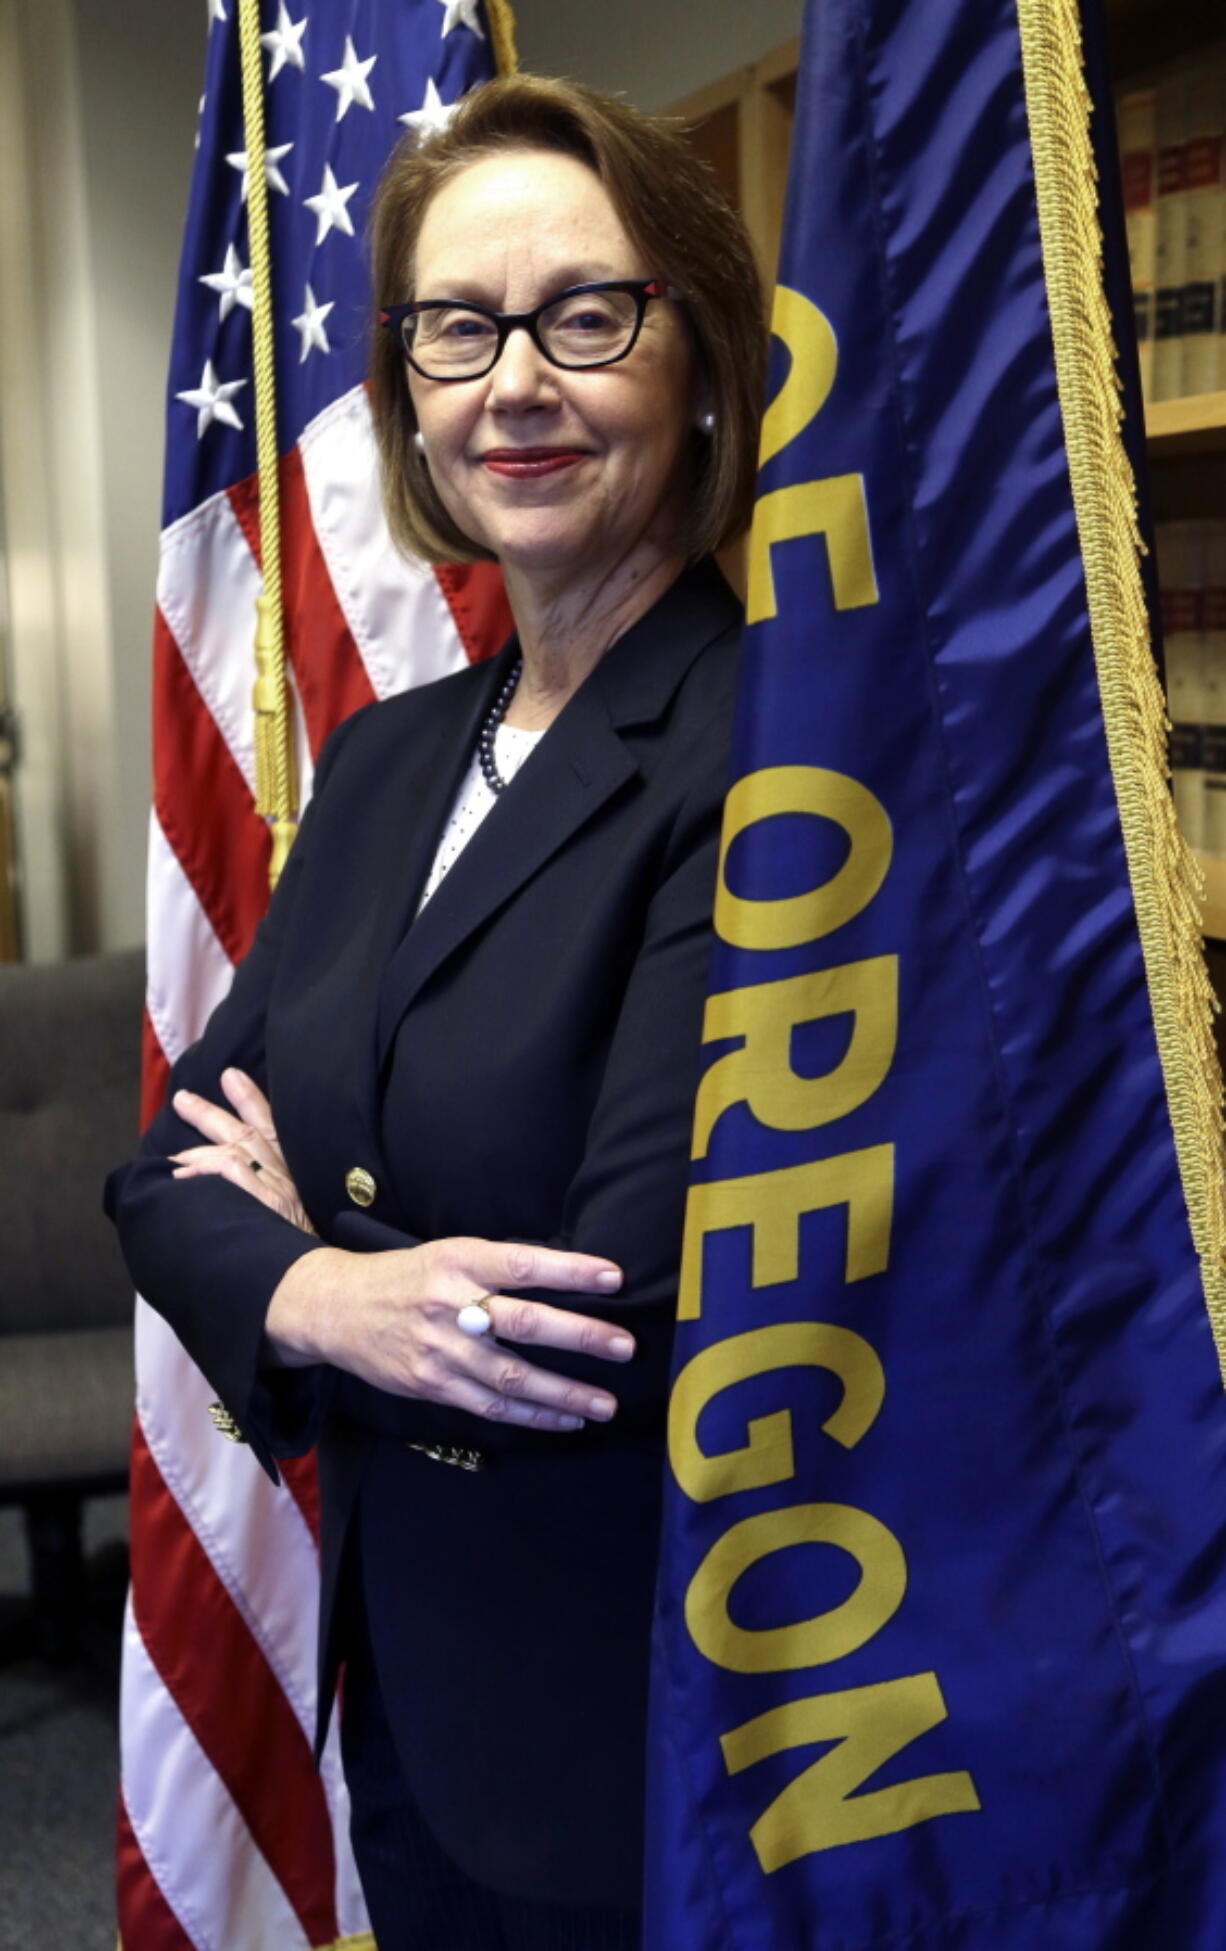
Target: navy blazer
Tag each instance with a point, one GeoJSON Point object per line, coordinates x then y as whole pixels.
{"type": "Point", "coordinates": [518, 1062]}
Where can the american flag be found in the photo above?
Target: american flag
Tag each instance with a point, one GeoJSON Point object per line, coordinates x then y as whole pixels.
{"type": "Point", "coordinates": [228, 1838]}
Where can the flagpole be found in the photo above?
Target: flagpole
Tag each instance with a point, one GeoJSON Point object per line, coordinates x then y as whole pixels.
{"type": "Point", "coordinates": [276, 787]}
{"type": "Point", "coordinates": [501, 18]}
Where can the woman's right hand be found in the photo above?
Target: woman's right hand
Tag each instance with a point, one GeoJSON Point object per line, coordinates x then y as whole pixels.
{"type": "Point", "coordinates": [390, 1319]}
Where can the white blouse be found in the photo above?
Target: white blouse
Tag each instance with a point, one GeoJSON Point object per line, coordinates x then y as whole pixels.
{"type": "Point", "coordinates": [474, 800]}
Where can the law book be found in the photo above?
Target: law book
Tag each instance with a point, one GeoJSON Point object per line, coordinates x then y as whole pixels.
{"type": "Point", "coordinates": [1171, 234]}
{"type": "Point", "coordinates": [1181, 577]}
{"type": "Point", "coordinates": [1204, 194]}
{"type": "Point", "coordinates": [1213, 650]}
{"type": "Point", "coordinates": [1138, 170]}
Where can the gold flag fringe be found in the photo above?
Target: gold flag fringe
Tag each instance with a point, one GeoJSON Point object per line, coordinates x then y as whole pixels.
{"type": "Point", "coordinates": [1166, 881]}
{"type": "Point", "coordinates": [501, 18]}
{"type": "Point", "coordinates": [276, 786]}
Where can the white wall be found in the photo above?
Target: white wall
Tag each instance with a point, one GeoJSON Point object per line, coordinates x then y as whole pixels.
{"type": "Point", "coordinates": [141, 68]}
{"type": "Point", "coordinates": [97, 118]}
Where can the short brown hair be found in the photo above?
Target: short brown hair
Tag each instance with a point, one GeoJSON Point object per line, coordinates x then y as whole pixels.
{"type": "Point", "coordinates": [673, 208]}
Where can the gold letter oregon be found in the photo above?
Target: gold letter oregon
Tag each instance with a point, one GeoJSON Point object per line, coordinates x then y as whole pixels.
{"type": "Point", "coordinates": [870, 1725]}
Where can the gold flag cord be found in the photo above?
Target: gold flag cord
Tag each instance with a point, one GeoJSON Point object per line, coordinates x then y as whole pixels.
{"type": "Point", "coordinates": [1166, 885]}
{"type": "Point", "coordinates": [275, 772]}
{"type": "Point", "coordinates": [502, 35]}
{"type": "Point", "coordinates": [276, 786]}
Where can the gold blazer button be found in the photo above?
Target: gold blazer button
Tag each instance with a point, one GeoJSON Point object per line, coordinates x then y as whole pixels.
{"type": "Point", "coordinates": [360, 1186]}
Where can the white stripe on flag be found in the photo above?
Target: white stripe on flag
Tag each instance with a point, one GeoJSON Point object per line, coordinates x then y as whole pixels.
{"type": "Point", "coordinates": [351, 1912]}
{"type": "Point", "coordinates": [302, 748]}
{"type": "Point", "coordinates": [254, 1534]}
{"type": "Point", "coordinates": [396, 612]}
{"type": "Point", "coordinates": [192, 1837]}
{"type": "Point", "coordinates": [207, 586]}
{"type": "Point", "coordinates": [189, 971]}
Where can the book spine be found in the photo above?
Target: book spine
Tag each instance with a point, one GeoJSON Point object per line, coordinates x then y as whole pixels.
{"type": "Point", "coordinates": [1171, 248]}
{"type": "Point", "coordinates": [1219, 84]}
{"type": "Point", "coordinates": [1138, 169]}
{"type": "Point", "coordinates": [1213, 641]}
{"type": "Point", "coordinates": [1204, 190]}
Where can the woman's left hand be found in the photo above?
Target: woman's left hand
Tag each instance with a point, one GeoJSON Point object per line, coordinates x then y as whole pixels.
{"type": "Point", "coordinates": [242, 1148]}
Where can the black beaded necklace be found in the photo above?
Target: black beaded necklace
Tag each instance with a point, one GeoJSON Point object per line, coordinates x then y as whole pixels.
{"type": "Point", "coordinates": [489, 731]}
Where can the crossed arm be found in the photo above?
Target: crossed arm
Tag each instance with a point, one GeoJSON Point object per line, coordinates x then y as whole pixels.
{"type": "Point", "coordinates": [262, 1304]}
{"type": "Point", "coordinates": [391, 1318]}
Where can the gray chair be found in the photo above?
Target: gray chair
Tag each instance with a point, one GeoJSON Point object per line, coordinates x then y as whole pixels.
{"type": "Point", "coordinates": [69, 1107]}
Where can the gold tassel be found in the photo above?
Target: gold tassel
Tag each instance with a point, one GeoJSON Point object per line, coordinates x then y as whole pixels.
{"type": "Point", "coordinates": [276, 785]}
{"type": "Point", "coordinates": [1166, 882]}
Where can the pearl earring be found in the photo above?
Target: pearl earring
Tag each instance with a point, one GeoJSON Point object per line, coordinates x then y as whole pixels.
{"type": "Point", "coordinates": [706, 422]}
{"type": "Point", "coordinates": [419, 441]}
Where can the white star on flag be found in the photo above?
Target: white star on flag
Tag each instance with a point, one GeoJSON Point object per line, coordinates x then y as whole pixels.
{"type": "Point", "coordinates": [211, 400]}
{"type": "Point", "coordinates": [461, 13]}
{"type": "Point", "coordinates": [329, 206]}
{"type": "Point", "coordinates": [216, 12]}
{"type": "Point", "coordinates": [310, 323]}
{"type": "Point", "coordinates": [433, 115]}
{"type": "Point", "coordinates": [232, 282]}
{"type": "Point", "coordinates": [349, 80]}
{"type": "Point", "coordinates": [284, 43]}
{"type": "Point", "coordinates": [237, 159]}
{"type": "Point", "coordinates": [199, 120]}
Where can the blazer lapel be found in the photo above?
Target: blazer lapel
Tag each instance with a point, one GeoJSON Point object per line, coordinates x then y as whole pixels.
{"type": "Point", "coordinates": [573, 771]}
{"type": "Point", "coordinates": [580, 763]}
{"type": "Point", "coordinates": [413, 819]}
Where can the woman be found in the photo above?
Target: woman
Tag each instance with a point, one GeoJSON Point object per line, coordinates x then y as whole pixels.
{"type": "Point", "coordinates": [475, 1006]}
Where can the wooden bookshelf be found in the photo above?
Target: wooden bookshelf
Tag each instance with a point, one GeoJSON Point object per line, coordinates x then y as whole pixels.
{"type": "Point", "coordinates": [1195, 424]}
{"type": "Point", "coordinates": [1145, 34]}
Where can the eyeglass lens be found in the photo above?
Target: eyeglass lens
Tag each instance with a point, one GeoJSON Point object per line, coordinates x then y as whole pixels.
{"type": "Point", "coordinates": [583, 329]}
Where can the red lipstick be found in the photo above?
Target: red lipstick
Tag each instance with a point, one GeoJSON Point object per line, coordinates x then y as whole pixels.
{"type": "Point", "coordinates": [527, 463]}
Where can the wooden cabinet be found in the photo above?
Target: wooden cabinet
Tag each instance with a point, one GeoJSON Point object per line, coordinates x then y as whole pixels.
{"type": "Point", "coordinates": [742, 126]}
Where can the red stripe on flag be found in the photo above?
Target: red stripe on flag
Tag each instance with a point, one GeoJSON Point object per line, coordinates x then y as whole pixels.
{"type": "Point", "coordinates": [478, 604]}
{"type": "Point", "coordinates": [299, 1473]}
{"type": "Point", "coordinates": [146, 1921]}
{"type": "Point", "coordinates": [328, 671]}
{"type": "Point", "coordinates": [193, 1631]}
{"type": "Point", "coordinates": [302, 1481]}
{"type": "Point", "coordinates": [203, 804]}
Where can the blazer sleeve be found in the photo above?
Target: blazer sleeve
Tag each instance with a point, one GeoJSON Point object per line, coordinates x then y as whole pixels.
{"type": "Point", "coordinates": [202, 1252]}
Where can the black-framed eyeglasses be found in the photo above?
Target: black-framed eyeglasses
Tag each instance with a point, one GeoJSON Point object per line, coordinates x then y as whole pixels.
{"type": "Point", "coordinates": [587, 325]}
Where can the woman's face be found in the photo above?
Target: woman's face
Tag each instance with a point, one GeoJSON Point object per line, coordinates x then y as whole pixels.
{"type": "Point", "coordinates": [510, 233]}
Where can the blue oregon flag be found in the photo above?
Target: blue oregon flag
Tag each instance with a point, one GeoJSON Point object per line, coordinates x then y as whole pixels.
{"type": "Point", "coordinates": [941, 1635]}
